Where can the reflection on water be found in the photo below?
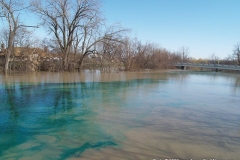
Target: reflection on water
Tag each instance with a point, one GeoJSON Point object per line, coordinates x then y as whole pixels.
{"type": "Point", "coordinates": [144, 115]}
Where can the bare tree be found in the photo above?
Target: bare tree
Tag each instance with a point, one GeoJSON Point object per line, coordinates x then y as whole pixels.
{"type": "Point", "coordinates": [135, 55]}
{"type": "Point", "coordinates": [23, 38]}
{"type": "Point", "coordinates": [10, 14]}
{"type": "Point", "coordinates": [113, 33]}
{"type": "Point", "coordinates": [214, 58]}
{"type": "Point", "coordinates": [64, 18]}
{"type": "Point", "coordinates": [141, 58]}
{"type": "Point", "coordinates": [110, 54]}
{"type": "Point", "coordinates": [4, 36]}
{"type": "Point", "coordinates": [184, 51]}
{"type": "Point", "coordinates": [175, 58]}
{"type": "Point", "coordinates": [75, 25]}
{"type": "Point", "coordinates": [236, 53]}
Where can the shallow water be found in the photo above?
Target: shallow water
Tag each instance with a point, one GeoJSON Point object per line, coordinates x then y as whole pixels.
{"type": "Point", "coordinates": [126, 115]}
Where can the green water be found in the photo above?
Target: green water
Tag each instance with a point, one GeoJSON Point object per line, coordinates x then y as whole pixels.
{"type": "Point", "coordinates": [143, 115]}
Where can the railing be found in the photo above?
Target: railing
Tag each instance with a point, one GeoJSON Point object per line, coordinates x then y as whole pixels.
{"type": "Point", "coordinates": [209, 65]}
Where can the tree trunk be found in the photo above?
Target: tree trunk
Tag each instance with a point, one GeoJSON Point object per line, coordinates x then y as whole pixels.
{"type": "Point", "coordinates": [7, 60]}
{"type": "Point", "coordinates": [65, 62]}
{"type": "Point", "coordinates": [6, 65]}
{"type": "Point", "coordinates": [80, 63]}
{"type": "Point", "coordinates": [238, 58]}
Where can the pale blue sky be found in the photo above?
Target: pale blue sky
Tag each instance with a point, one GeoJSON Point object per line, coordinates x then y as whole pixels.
{"type": "Point", "coordinates": [205, 26]}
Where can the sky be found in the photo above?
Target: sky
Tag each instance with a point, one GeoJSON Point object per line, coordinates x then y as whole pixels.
{"type": "Point", "coordinates": [206, 27]}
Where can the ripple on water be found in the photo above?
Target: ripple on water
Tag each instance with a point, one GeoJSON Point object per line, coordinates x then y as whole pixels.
{"type": "Point", "coordinates": [144, 116]}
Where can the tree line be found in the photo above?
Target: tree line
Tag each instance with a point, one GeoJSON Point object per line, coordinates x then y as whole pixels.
{"type": "Point", "coordinates": [231, 59]}
{"type": "Point", "coordinates": [78, 38]}
{"type": "Point", "coordinates": [77, 34]}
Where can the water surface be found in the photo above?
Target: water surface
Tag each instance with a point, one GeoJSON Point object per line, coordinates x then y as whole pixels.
{"type": "Point", "coordinates": [126, 115]}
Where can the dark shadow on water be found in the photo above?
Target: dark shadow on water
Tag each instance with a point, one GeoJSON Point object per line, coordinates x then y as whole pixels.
{"type": "Point", "coordinates": [76, 152]}
{"type": "Point", "coordinates": [28, 110]}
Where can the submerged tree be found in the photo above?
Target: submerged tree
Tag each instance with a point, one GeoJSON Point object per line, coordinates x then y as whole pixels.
{"type": "Point", "coordinates": [10, 14]}
{"type": "Point", "coordinates": [75, 24]}
{"type": "Point", "coordinates": [63, 18]}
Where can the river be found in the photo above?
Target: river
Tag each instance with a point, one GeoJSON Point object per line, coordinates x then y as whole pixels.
{"type": "Point", "coordinates": [127, 115]}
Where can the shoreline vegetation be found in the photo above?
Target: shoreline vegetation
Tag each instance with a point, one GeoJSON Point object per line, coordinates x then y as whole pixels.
{"type": "Point", "coordinates": [24, 70]}
{"type": "Point", "coordinates": [78, 39]}
{"type": "Point", "coordinates": [105, 62]}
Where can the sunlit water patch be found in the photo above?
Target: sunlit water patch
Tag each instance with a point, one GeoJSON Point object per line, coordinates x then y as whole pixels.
{"type": "Point", "coordinates": [142, 115]}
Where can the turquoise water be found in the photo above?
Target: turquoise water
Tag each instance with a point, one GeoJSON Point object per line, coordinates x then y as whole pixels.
{"type": "Point", "coordinates": [143, 115]}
